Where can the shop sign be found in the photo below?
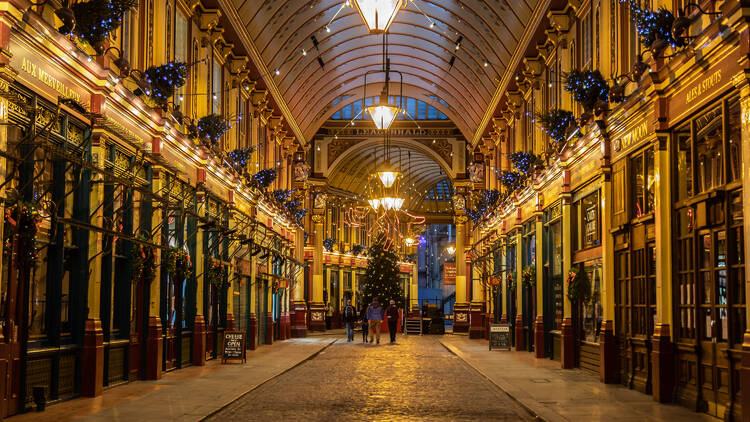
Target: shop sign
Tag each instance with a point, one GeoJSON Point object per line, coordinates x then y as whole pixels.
{"type": "Point", "coordinates": [637, 133]}
{"type": "Point", "coordinates": [500, 336]}
{"type": "Point", "coordinates": [41, 73]}
{"type": "Point", "coordinates": [552, 192]}
{"type": "Point", "coordinates": [704, 87]}
{"type": "Point", "coordinates": [586, 170]}
{"type": "Point", "coordinates": [528, 208]}
{"type": "Point", "coordinates": [233, 346]}
{"type": "Point", "coordinates": [449, 274]}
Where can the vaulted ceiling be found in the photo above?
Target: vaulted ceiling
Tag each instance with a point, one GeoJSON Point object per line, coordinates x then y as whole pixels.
{"type": "Point", "coordinates": [422, 40]}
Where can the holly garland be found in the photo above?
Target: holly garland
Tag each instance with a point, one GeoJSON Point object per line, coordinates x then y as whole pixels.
{"type": "Point", "coordinates": [555, 122]}
{"type": "Point", "coordinates": [241, 156]}
{"type": "Point", "coordinates": [263, 178]}
{"type": "Point", "coordinates": [588, 87]}
{"type": "Point", "coordinates": [96, 19]}
{"type": "Point", "coordinates": [653, 25]}
{"type": "Point", "coordinates": [281, 196]}
{"type": "Point", "coordinates": [528, 276]}
{"type": "Point", "coordinates": [579, 286]}
{"type": "Point", "coordinates": [215, 273]}
{"type": "Point", "coordinates": [212, 127]}
{"type": "Point", "coordinates": [483, 204]}
{"type": "Point", "coordinates": [164, 80]}
{"type": "Point", "coordinates": [299, 215]}
{"type": "Point", "coordinates": [177, 263]}
{"type": "Point", "coordinates": [144, 261]}
{"type": "Point", "coordinates": [510, 179]}
{"type": "Point", "coordinates": [328, 244]}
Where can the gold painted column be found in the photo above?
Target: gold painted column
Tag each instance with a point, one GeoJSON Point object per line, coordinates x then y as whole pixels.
{"type": "Point", "coordinates": [230, 324]}
{"type": "Point", "coordinates": [662, 355]}
{"type": "Point", "coordinates": [317, 307]}
{"type": "Point", "coordinates": [518, 276]}
{"type": "Point", "coordinates": [743, 85]}
{"type": "Point", "coordinates": [199, 324]}
{"type": "Point", "coordinates": [607, 347]}
{"type": "Point", "coordinates": [299, 321]}
{"type": "Point", "coordinates": [539, 337]}
{"type": "Point", "coordinates": [568, 334]}
{"type": "Point", "coordinates": [154, 349]}
{"type": "Point", "coordinates": [504, 283]}
{"type": "Point", "coordinates": [414, 305]}
{"type": "Point", "coordinates": [461, 307]}
{"type": "Point", "coordinates": [92, 371]}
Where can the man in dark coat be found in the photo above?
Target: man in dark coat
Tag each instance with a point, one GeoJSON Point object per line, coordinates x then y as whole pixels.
{"type": "Point", "coordinates": [350, 317]}
{"type": "Point", "coordinates": [391, 314]}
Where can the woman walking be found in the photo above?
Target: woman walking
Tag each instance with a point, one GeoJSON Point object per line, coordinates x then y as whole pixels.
{"type": "Point", "coordinates": [375, 318]}
{"type": "Point", "coordinates": [365, 326]}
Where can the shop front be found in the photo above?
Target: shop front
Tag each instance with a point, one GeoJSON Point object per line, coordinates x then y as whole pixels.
{"type": "Point", "coordinates": [553, 279]}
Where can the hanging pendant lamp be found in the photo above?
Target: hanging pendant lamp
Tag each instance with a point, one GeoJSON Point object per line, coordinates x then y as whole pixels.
{"type": "Point", "coordinates": [378, 14]}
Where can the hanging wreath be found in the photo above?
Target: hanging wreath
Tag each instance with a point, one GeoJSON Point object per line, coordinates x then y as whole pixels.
{"type": "Point", "coordinates": [215, 273]}
{"type": "Point", "coordinates": [144, 261]}
{"type": "Point", "coordinates": [524, 162]}
{"type": "Point", "coordinates": [96, 19]}
{"type": "Point", "coordinates": [555, 123]}
{"type": "Point", "coordinates": [25, 218]}
{"type": "Point", "coordinates": [654, 25]}
{"type": "Point", "coordinates": [357, 249]}
{"type": "Point", "coordinates": [241, 156]}
{"type": "Point", "coordinates": [579, 287]}
{"type": "Point", "coordinates": [281, 196]}
{"type": "Point", "coordinates": [510, 280]}
{"type": "Point", "coordinates": [263, 178]}
{"type": "Point", "coordinates": [299, 215]}
{"type": "Point", "coordinates": [510, 179]}
{"type": "Point", "coordinates": [211, 128]}
{"type": "Point", "coordinates": [587, 87]}
{"type": "Point", "coordinates": [528, 276]}
{"type": "Point", "coordinates": [328, 244]}
{"type": "Point", "coordinates": [177, 263]}
{"type": "Point", "coordinates": [164, 80]}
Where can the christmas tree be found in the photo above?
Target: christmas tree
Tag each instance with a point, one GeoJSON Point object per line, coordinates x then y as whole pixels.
{"type": "Point", "coordinates": [381, 277]}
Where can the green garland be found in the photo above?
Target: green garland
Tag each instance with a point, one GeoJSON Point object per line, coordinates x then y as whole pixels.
{"type": "Point", "coordinates": [25, 217]}
{"type": "Point", "coordinates": [579, 286]}
{"type": "Point", "coordinates": [510, 280]}
{"type": "Point", "coordinates": [144, 261]}
{"type": "Point", "coordinates": [215, 273]}
{"type": "Point", "coordinates": [177, 263]}
{"type": "Point", "coordinates": [528, 276]}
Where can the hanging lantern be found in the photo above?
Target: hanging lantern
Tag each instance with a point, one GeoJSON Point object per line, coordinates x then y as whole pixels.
{"type": "Point", "coordinates": [378, 14]}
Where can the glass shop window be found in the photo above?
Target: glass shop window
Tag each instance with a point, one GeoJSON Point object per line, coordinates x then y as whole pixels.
{"type": "Point", "coordinates": [592, 309]}
{"type": "Point", "coordinates": [587, 39]}
{"type": "Point", "coordinates": [708, 149]}
{"type": "Point", "coordinates": [734, 138]}
{"type": "Point", "coordinates": [684, 163]}
{"type": "Point", "coordinates": [642, 170]}
{"type": "Point", "coordinates": [216, 97]}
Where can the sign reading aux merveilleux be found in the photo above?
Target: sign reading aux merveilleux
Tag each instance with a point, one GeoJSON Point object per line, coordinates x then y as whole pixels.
{"type": "Point", "coordinates": [234, 346]}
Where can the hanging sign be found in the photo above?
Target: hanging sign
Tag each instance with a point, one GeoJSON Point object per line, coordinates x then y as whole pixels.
{"type": "Point", "coordinates": [500, 336]}
{"type": "Point", "coordinates": [449, 274]}
{"type": "Point", "coordinates": [234, 346]}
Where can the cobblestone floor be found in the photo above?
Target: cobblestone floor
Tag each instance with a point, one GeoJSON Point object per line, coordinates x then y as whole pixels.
{"type": "Point", "coordinates": [415, 379]}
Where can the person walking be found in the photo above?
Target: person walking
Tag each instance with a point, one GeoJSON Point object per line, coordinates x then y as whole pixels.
{"type": "Point", "coordinates": [365, 326]}
{"type": "Point", "coordinates": [350, 317]}
{"type": "Point", "coordinates": [391, 314]}
{"type": "Point", "coordinates": [375, 318]}
{"type": "Point", "coordinates": [329, 315]}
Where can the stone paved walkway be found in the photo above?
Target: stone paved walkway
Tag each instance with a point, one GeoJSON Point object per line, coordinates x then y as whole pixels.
{"type": "Point", "coordinates": [555, 394]}
{"type": "Point", "coordinates": [416, 379]}
{"type": "Point", "coordinates": [188, 394]}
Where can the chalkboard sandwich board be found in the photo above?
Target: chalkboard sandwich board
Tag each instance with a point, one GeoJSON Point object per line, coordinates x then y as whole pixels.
{"type": "Point", "coordinates": [234, 346]}
{"type": "Point", "coordinates": [500, 336]}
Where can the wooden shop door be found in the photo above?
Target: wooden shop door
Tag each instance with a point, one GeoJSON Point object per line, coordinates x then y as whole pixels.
{"type": "Point", "coordinates": [13, 282]}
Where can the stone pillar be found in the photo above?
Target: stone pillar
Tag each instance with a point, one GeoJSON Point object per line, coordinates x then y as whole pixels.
{"type": "Point", "coordinates": [92, 370]}
{"type": "Point", "coordinates": [299, 324]}
{"type": "Point", "coordinates": [461, 308]}
{"type": "Point", "coordinates": [414, 305]}
{"type": "Point", "coordinates": [520, 340]}
{"type": "Point", "coordinates": [504, 288]}
{"type": "Point", "coordinates": [155, 338]}
{"type": "Point", "coordinates": [539, 346]}
{"type": "Point", "coordinates": [317, 307]}
{"type": "Point", "coordinates": [252, 323]}
{"type": "Point", "coordinates": [230, 278]}
{"type": "Point", "coordinates": [567, 332]}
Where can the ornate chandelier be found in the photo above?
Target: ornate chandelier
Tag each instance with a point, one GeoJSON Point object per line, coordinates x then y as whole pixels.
{"type": "Point", "coordinates": [378, 14]}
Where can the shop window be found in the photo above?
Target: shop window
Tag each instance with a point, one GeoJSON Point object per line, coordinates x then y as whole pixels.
{"type": "Point", "coordinates": [587, 39]}
{"type": "Point", "coordinates": [734, 138]}
{"type": "Point", "coordinates": [642, 170]}
{"type": "Point", "coordinates": [216, 94]}
{"type": "Point", "coordinates": [708, 150]}
{"type": "Point", "coordinates": [685, 170]}
{"type": "Point", "coordinates": [592, 309]}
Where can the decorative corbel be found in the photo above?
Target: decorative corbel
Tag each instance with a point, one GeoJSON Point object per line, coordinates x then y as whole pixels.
{"type": "Point", "coordinates": [237, 64]}
{"type": "Point", "coordinates": [560, 19]}
{"type": "Point", "coordinates": [208, 19]}
{"type": "Point", "coordinates": [275, 121]}
{"type": "Point", "coordinates": [258, 97]}
{"type": "Point", "coordinates": [515, 98]}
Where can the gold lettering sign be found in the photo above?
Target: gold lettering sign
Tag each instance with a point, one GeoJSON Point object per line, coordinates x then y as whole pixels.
{"type": "Point", "coordinates": [703, 86]}
{"type": "Point", "coordinates": [636, 134]}
{"type": "Point", "coordinates": [44, 77]}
